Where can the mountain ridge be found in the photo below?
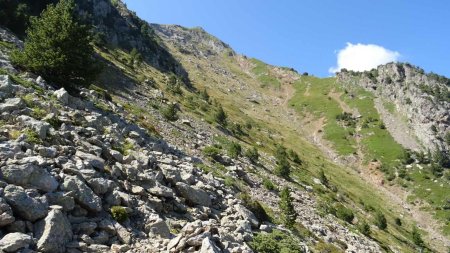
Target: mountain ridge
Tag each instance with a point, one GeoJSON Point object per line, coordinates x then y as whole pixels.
{"type": "Point", "coordinates": [196, 192]}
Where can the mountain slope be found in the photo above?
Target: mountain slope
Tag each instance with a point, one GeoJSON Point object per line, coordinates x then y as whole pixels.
{"type": "Point", "coordinates": [126, 114]}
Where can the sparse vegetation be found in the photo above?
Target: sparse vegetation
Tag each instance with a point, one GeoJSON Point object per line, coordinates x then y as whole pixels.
{"type": "Point", "coordinates": [220, 117]}
{"type": "Point", "coordinates": [344, 213]}
{"type": "Point", "coordinates": [268, 184]}
{"type": "Point", "coordinates": [119, 213]}
{"type": "Point", "coordinates": [234, 150]}
{"type": "Point", "coordinates": [364, 228]}
{"type": "Point", "coordinates": [32, 136]}
{"type": "Point", "coordinates": [170, 112]}
{"type": "Point", "coordinates": [417, 238]}
{"type": "Point", "coordinates": [380, 220]}
{"type": "Point", "coordinates": [288, 213]}
{"type": "Point", "coordinates": [275, 242]}
{"type": "Point", "coordinates": [252, 154]}
{"type": "Point", "coordinates": [212, 152]}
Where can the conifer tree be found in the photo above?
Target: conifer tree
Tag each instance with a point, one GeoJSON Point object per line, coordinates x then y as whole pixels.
{"type": "Point", "coordinates": [289, 215]}
{"type": "Point", "coordinates": [58, 47]}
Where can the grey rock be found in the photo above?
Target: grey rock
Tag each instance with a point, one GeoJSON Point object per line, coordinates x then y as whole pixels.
{"type": "Point", "coordinates": [82, 194]}
{"type": "Point", "coordinates": [161, 190]}
{"type": "Point", "coordinates": [49, 152]}
{"type": "Point", "coordinates": [194, 194]}
{"type": "Point", "coordinates": [8, 150]}
{"type": "Point", "coordinates": [122, 233]}
{"type": "Point", "coordinates": [25, 206]}
{"type": "Point", "coordinates": [158, 227]}
{"type": "Point", "coordinates": [62, 96]}
{"type": "Point", "coordinates": [15, 241]}
{"type": "Point", "coordinates": [93, 160]}
{"type": "Point", "coordinates": [85, 228]}
{"type": "Point", "coordinates": [17, 226]}
{"type": "Point", "coordinates": [39, 126]}
{"type": "Point", "coordinates": [209, 247]}
{"type": "Point", "coordinates": [6, 213]}
{"type": "Point", "coordinates": [12, 104]}
{"type": "Point", "coordinates": [54, 232]}
{"type": "Point", "coordinates": [29, 175]}
{"type": "Point", "coordinates": [116, 155]}
{"type": "Point", "coordinates": [61, 199]}
{"type": "Point", "coordinates": [172, 174]}
{"type": "Point", "coordinates": [6, 85]}
{"type": "Point", "coordinates": [247, 215]}
{"type": "Point", "coordinates": [100, 185]}
{"type": "Point", "coordinates": [197, 240]}
{"type": "Point", "coordinates": [101, 238]}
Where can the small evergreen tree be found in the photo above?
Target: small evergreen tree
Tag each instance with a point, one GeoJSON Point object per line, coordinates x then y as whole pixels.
{"type": "Point", "coordinates": [135, 58]}
{"type": "Point", "coordinates": [289, 215]}
{"type": "Point", "coordinates": [252, 154]}
{"type": "Point", "coordinates": [380, 221]}
{"type": "Point", "coordinates": [364, 228]}
{"type": "Point", "coordinates": [283, 168]}
{"type": "Point", "coordinates": [57, 46]}
{"type": "Point", "coordinates": [398, 221]}
{"type": "Point", "coordinates": [221, 117]}
{"type": "Point", "coordinates": [294, 157]}
{"type": "Point", "coordinates": [234, 150]}
{"type": "Point", "coordinates": [170, 112]}
{"type": "Point", "coordinates": [204, 94]}
{"type": "Point", "coordinates": [323, 179]}
{"type": "Point", "coordinates": [280, 152]}
{"type": "Point", "coordinates": [417, 238]}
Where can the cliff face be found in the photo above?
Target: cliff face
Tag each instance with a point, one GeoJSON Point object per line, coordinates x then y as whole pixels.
{"type": "Point", "coordinates": [423, 99]}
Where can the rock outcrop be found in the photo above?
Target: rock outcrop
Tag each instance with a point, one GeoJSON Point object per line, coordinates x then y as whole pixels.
{"type": "Point", "coordinates": [421, 98]}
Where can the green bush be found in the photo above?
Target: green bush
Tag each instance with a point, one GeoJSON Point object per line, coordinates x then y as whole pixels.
{"type": "Point", "coordinates": [447, 138]}
{"type": "Point", "coordinates": [294, 157]}
{"type": "Point", "coordinates": [236, 129]}
{"type": "Point", "coordinates": [32, 136]}
{"type": "Point", "coordinates": [288, 213]}
{"type": "Point", "coordinates": [57, 47]}
{"type": "Point", "coordinates": [234, 150]}
{"type": "Point", "coordinates": [398, 221]}
{"type": "Point", "coordinates": [268, 184]}
{"type": "Point", "coordinates": [204, 95]}
{"type": "Point", "coordinates": [323, 179]}
{"type": "Point", "coordinates": [212, 152]}
{"type": "Point", "coordinates": [173, 85]}
{"type": "Point", "coordinates": [283, 168]}
{"type": "Point", "coordinates": [275, 242]}
{"type": "Point", "coordinates": [380, 221]}
{"type": "Point", "coordinates": [221, 117]}
{"type": "Point", "coordinates": [364, 228]}
{"type": "Point", "coordinates": [252, 154]}
{"type": "Point", "coordinates": [417, 238]}
{"type": "Point", "coordinates": [170, 112]}
{"type": "Point", "coordinates": [119, 213]}
{"type": "Point", "coordinates": [344, 213]}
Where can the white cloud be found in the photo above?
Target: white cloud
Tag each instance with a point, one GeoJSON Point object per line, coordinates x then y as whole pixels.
{"type": "Point", "coordinates": [361, 57]}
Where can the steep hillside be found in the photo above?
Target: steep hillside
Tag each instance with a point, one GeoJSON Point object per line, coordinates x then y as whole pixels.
{"type": "Point", "coordinates": [181, 151]}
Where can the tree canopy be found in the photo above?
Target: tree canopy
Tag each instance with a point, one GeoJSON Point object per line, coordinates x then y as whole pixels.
{"type": "Point", "coordinates": [58, 47]}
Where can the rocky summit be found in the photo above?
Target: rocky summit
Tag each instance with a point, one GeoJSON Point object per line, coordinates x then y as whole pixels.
{"type": "Point", "coordinates": [164, 139]}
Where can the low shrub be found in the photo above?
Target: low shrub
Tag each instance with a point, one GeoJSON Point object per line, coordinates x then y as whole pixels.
{"type": "Point", "coordinates": [275, 242]}
{"type": "Point", "coordinates": [119, 213]}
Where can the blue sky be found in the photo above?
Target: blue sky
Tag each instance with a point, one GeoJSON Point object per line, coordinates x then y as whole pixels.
{"type": "Point", "coordinates": [308, 35]}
